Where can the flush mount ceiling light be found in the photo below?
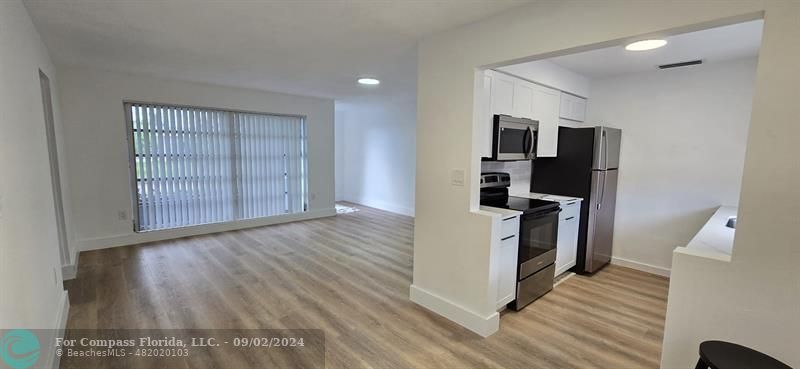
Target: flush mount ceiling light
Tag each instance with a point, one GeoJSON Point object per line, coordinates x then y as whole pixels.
{"type": "Point", "coordinates": [368, 81]}
{"type": "Point", "coordinates": [645, 45]}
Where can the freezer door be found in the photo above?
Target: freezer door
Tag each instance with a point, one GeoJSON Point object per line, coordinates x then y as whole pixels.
{"type": "Point", "coordinates": [600, 233]}
{"type": "Point", "coordinates": [606, 148]}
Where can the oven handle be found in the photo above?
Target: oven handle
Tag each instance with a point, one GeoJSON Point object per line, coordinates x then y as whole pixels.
{"type": "Point", "coordinates": [542, 214]}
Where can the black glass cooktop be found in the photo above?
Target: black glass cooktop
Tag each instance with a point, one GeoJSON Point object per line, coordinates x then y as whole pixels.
{"type": "Point", "coordinates": [522, 204]}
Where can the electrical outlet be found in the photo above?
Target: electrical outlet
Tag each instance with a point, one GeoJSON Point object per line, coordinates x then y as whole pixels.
{"type": "Point", "coordinates": [122, 215]}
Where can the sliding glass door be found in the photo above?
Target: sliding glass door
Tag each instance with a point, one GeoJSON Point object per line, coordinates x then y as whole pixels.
{"type": "Point", "coordinates": [195, 166]}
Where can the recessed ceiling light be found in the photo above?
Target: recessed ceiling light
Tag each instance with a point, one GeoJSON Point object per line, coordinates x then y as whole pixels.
{"type": "Point", "coordinates": [645, 45]}
{"type": "Point", "coordinates": [369, 81]}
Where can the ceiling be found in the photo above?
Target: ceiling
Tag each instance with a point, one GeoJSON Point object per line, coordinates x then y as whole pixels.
{"type": "Point", "coordinates": [711, 45]}
{"type": "Point", "coordinates": [306, 47]}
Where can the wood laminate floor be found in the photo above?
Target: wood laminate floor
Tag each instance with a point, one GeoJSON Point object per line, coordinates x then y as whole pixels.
{"type": "Point", "coordinates": [349, 275]}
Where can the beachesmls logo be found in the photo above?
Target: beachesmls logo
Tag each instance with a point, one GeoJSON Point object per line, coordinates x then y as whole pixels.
{"type": "Point", "coordinates": [20, 348]}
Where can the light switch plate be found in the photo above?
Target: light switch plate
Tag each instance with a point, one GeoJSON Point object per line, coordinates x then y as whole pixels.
{"type": "Point", "coordinates": [457, 177]}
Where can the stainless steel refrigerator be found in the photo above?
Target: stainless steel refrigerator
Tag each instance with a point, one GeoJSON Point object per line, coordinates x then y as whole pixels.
{"type": "Point", "coordinates": [586, 166]}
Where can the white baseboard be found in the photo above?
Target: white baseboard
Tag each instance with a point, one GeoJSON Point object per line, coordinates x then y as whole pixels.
{"type": "Point", "coordinates": [390, 207]}
{"type": "Point", "coordinates": [561, 270]}
{"type": "Point", "coordinates": [69, 271]}
{"type": "Point", "coordinates": [644, 267]}
{"type": "Point", "coordinates": [63, 314]}
{"type": "Point", "coordinates": [167, 234]}
{"type": "Point", "coordinates": [484, 326]}
{"type": "Point", "coordinates": [60, 325]}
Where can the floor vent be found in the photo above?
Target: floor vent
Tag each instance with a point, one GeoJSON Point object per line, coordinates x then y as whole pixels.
{"type": "Point", "coordinates": [681, 64]}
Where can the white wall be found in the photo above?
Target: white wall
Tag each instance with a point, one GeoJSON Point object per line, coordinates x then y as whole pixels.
{"type": "Point", "coordinates": [376, 151]}
{"type": "Point", "coordinates": [552, 75]}
{"type": "Point", "coordinates": [754, 299]}
{"type": "Point", "coordinates": [684, 133]}
{"type": "Point", "coordinates": [97, 149]}
{"type": "Point", "coordinates": [31, 291]}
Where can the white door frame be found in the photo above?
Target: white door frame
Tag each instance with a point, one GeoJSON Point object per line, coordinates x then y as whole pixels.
{"type": "Point", "coordinates": [55, 172]}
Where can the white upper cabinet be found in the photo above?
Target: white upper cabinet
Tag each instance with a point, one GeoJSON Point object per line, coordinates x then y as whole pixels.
{"type": "Point", "coordinates": [485, 117]}
{"type": "Point", "coordinates": [502, 93]}
{"type": "Point", "coordinates": [579, 109]}
{"type": "Point", "coordinates": [519, 98]}
{"type": "Point", "coordinates": [572, 107]}
{"type": "Point", "coordinates": [523, 99]}
{"type": "Point", "coordinates": [565, 110]}
{"type": "Point", "coordinates": [545, 110]}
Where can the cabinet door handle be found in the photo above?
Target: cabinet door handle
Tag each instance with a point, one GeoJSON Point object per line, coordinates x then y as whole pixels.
{"type": "Point", "coordinates": [570, 218]}
{"type": "Point", "coordinates": [503, 239]}
{"type": "Point", "coordinates": [571, 203]}
{"type": "Point", "coordinates": [512, 218]}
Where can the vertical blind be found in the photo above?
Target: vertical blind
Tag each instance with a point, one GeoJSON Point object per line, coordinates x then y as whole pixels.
{"type": "Point", "coordinates": [197, 166]}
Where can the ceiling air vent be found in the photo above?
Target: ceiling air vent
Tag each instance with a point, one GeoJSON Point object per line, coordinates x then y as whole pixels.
{"type": "Point", "coordinates": [681, 64]}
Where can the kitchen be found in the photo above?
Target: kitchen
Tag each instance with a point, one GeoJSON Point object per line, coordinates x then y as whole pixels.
{"type": "Point", "coordinates": [583, 169]}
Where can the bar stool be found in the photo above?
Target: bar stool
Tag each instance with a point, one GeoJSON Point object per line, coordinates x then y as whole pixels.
{"type": "Point", "coordinates": [726, 355]}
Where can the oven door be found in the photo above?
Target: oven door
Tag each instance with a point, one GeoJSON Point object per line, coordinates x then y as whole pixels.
{"type": "Point", "coordinates": [514, 139]}
{"type": "Point", "coordinates": [537, 242]}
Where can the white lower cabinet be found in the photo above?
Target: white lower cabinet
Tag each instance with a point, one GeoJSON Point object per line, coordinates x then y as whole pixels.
{"type": "Point", "coordinates": [567, 244]}
{"type": "Point", "coordinates": [507, 265]}
{"type": "Point", "coordinates": [507, 283]}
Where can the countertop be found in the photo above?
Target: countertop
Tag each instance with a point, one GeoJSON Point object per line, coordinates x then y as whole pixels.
{"type": "Point", "coordinates": [544, 196]}
{"type": "Point", "coordinates": [505, 213]}
{"type": "Point", "coordinates": [715, 236]}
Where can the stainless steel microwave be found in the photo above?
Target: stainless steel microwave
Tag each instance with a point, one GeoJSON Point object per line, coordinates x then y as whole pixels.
{"type": "Point", "coordinates": [514, 138]}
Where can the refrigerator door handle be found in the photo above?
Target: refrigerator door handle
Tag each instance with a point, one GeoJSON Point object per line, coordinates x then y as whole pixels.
{"type": "Point", "coordinates": [602, 192]}
{"type": "Point", "coordinates": [605, 150]}
{"type": "Point", "coordinates": [598, 194]}
{"type": "Point", "coordinates": [603, 197]}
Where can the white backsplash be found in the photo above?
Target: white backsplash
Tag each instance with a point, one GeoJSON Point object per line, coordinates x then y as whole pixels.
{"type": "Point", "coordinates": [520, 172]}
